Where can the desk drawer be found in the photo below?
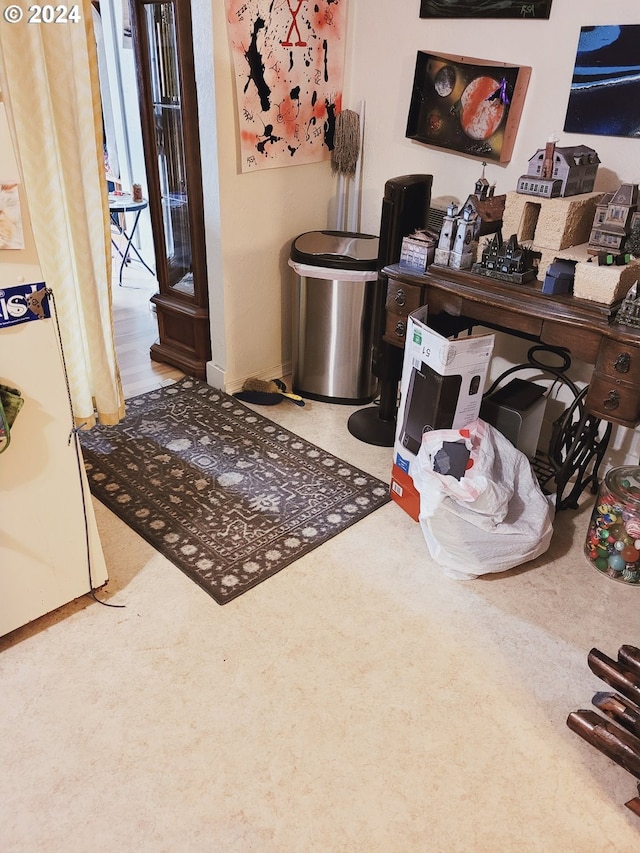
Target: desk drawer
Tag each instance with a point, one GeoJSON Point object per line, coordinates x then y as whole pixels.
{"type": "Point", "coordinates": [403, 298]}
{"type": "Point", "coordinates": [395, 331]}
{"type": "Point", "coordinates": [620, 361]}
{"type": "Point", "coordinates": [613, 399]}
{"type": "Point", "coordinates": [583, 343]}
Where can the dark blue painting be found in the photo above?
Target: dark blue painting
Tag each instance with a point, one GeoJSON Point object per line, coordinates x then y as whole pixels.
{"type": "Point", "coordinates": [605, 90]}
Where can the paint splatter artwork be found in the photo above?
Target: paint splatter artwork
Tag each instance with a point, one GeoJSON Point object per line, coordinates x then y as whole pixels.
{"type": "Point", "coordinates": [288, 60]}
{"type": "Point", "coordinates": [605, 89]}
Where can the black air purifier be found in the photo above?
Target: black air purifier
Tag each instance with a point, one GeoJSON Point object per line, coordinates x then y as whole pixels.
{"type": "Point", "coordinates": [405, 208]}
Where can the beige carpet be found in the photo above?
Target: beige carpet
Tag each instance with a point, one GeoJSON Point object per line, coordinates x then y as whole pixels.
{"type": "Point", "coordinates": [358, 701]}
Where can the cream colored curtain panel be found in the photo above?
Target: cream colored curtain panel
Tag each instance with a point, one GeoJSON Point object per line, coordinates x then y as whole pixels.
{"type": "Point", "coordinates": [51, 89]}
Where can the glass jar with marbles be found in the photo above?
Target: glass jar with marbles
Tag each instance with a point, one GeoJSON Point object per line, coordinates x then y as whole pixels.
{"type": "Point", "coordinates": [612, 545]}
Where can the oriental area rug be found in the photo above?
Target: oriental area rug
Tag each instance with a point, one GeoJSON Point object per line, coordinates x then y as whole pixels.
{"type": "Point", "coordinates": [222, 492]}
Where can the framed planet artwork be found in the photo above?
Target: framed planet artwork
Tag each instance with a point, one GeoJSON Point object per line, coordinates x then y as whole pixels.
{"type": "Point", "coordinates": [467, 105]}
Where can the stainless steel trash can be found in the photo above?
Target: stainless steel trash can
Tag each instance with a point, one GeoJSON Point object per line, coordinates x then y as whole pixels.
{"type": "Point", "coordinates": [335, 315]}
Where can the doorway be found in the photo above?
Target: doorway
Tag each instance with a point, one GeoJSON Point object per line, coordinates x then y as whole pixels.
{"type": "Point", "coordinates": [135, 322]}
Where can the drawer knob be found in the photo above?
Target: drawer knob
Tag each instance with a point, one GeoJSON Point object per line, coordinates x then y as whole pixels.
{"type": "Point", "coordinates": [622, 363]}
{"type": "Point", "coordinates": [612, 401]}
{"type": "Point", "coordinates": [400, 297]}
{"type": "Point", "coordinates": [401, 329]}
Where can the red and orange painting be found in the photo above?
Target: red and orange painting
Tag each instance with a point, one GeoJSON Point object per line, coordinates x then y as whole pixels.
{"type": "Point", "coordinates": [288, 58]}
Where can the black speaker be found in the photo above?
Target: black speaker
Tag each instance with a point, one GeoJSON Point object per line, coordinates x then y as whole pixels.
{"type": "Point", "coordinates": [431, 404]}
{"type": "Point", "coordinates": [405, 208]}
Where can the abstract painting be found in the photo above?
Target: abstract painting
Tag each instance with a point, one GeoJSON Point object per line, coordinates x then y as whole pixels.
{"type": "Point", "coordinates": [470, 106]}
{"type": "Point", "coordinates": [605, 89]}
{"type": "Point", "coordinates": [484, 9]}
{"type": "Point", "coordinates": [288, 59]}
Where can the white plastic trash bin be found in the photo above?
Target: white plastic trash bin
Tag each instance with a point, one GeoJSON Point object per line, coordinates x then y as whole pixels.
{"type": "Point", "coordinates": [335, 315]}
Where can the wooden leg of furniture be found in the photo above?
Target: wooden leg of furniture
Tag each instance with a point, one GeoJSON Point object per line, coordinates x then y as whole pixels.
{"type": "Point", "coordinates": [615, 735]}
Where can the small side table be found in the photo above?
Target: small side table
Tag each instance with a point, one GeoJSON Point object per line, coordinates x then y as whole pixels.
{"type": "Point", "coordinates": [125, 204]}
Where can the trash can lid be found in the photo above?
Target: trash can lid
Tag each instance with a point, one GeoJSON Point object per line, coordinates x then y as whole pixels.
{"type": "Point", "coordinates": [336, 250]}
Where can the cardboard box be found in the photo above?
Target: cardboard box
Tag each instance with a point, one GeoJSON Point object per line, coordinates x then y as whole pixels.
{"type": "Point", "coordinates": [441, 388]}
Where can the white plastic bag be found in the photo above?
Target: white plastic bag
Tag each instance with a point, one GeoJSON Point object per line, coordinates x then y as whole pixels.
{"type": "Point", "coordinates": [494, 517]}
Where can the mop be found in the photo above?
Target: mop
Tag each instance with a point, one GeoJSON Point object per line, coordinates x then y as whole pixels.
{"type": "Point", "coordinates": [345, 162]}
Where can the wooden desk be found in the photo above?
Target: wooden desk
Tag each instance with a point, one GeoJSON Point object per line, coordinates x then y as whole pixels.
{"type": "Point", "coordinates": [576, 327]}
{"type": "Point", "coordinates": [584, 329]}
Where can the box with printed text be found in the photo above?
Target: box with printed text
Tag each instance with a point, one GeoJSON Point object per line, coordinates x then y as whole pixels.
{"type": "Point", "coordinates": [441, 388]}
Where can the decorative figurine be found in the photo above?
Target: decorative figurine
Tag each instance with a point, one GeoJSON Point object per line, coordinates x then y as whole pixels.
{"type": "Point", "coordinates": [559, 277]}
{"type": "Point", "coordinates": [632, 243]}
{"type": "Point", "coordinates": [629, 311]}
{"type": "Point", "coordinates": [617, 217]}
{"type": "Point", "coordinates": [507, 261]}
{"type": "Point", "coordinates": [559, 172]}
{"type": "Point", "coordinates": [480, 214]}
{"type": "Point", "coordinates": [447, 236]}
{"type": "Point", "coordinates": [417, 251]}
{"type": "Point", "coordinates": [462, 254]}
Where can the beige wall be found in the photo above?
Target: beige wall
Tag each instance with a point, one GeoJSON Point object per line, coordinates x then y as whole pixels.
{"type": "Point", "coordinates": [260, 214]}
{"type": "Point", "coordinates": [384, 40]}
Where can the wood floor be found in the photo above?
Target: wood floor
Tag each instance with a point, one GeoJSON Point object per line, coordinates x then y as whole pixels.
{"type": "Point", "coordinates": [136, 329]}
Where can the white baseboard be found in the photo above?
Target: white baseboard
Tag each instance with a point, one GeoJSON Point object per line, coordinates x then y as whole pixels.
{"type": "Point", "coordinates": [216, 376]}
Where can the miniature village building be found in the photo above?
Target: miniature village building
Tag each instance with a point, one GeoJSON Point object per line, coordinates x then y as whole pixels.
{"type": "Point", "coordinates": [617, 214]}
{"type": "Point", "coordinates": [481, 214]}
{"type": "Point", "coordinates": [488, 209]}
{"type": "Point", "coordinates": [559, 172]}
{"type": "Point", "coordinates": [629, 311]}
{"type": "Point", "coordinates": [508, 260]}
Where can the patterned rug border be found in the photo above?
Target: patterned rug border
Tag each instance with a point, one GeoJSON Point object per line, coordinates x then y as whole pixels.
{"type": "Point", "coordinates": [335, 491]}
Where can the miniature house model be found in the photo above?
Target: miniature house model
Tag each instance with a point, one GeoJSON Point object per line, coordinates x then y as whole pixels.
{"type": "Point", "coordinates": [481, 214]}
{"type": "Point", "coordinates": [487, 207]}
{"type": "Point", "coordinates": [508, 260]}
{"type": "Point", "coordinates": [629, 312]}
{"type": "Point", "coordinates": [617, 214]}
{"type": "Point", "coordinates": [557, 171]}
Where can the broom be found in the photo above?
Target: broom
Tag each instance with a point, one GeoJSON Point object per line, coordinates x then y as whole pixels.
{"type": "Point", "coordinates": [266, 392]}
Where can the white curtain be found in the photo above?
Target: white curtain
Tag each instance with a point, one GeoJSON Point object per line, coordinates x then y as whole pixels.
{"type": "Point", "coordinates": [51, 89]}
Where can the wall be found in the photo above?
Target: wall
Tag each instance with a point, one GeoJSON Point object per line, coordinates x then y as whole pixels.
{"type": "Point", "coordinates": [260, 214]}
{"type": "Point", "coordinates": [383, 45]}
{"type": "Point", "coordinates": [120, 92]}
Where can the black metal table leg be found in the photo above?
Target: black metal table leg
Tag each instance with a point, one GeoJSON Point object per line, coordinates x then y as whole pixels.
{"type": "Point", "coordinates": [577, 450]}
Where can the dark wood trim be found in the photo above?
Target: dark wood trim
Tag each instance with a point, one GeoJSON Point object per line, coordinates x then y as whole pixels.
{"type": "Point", "coordinates": [182, 329]}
